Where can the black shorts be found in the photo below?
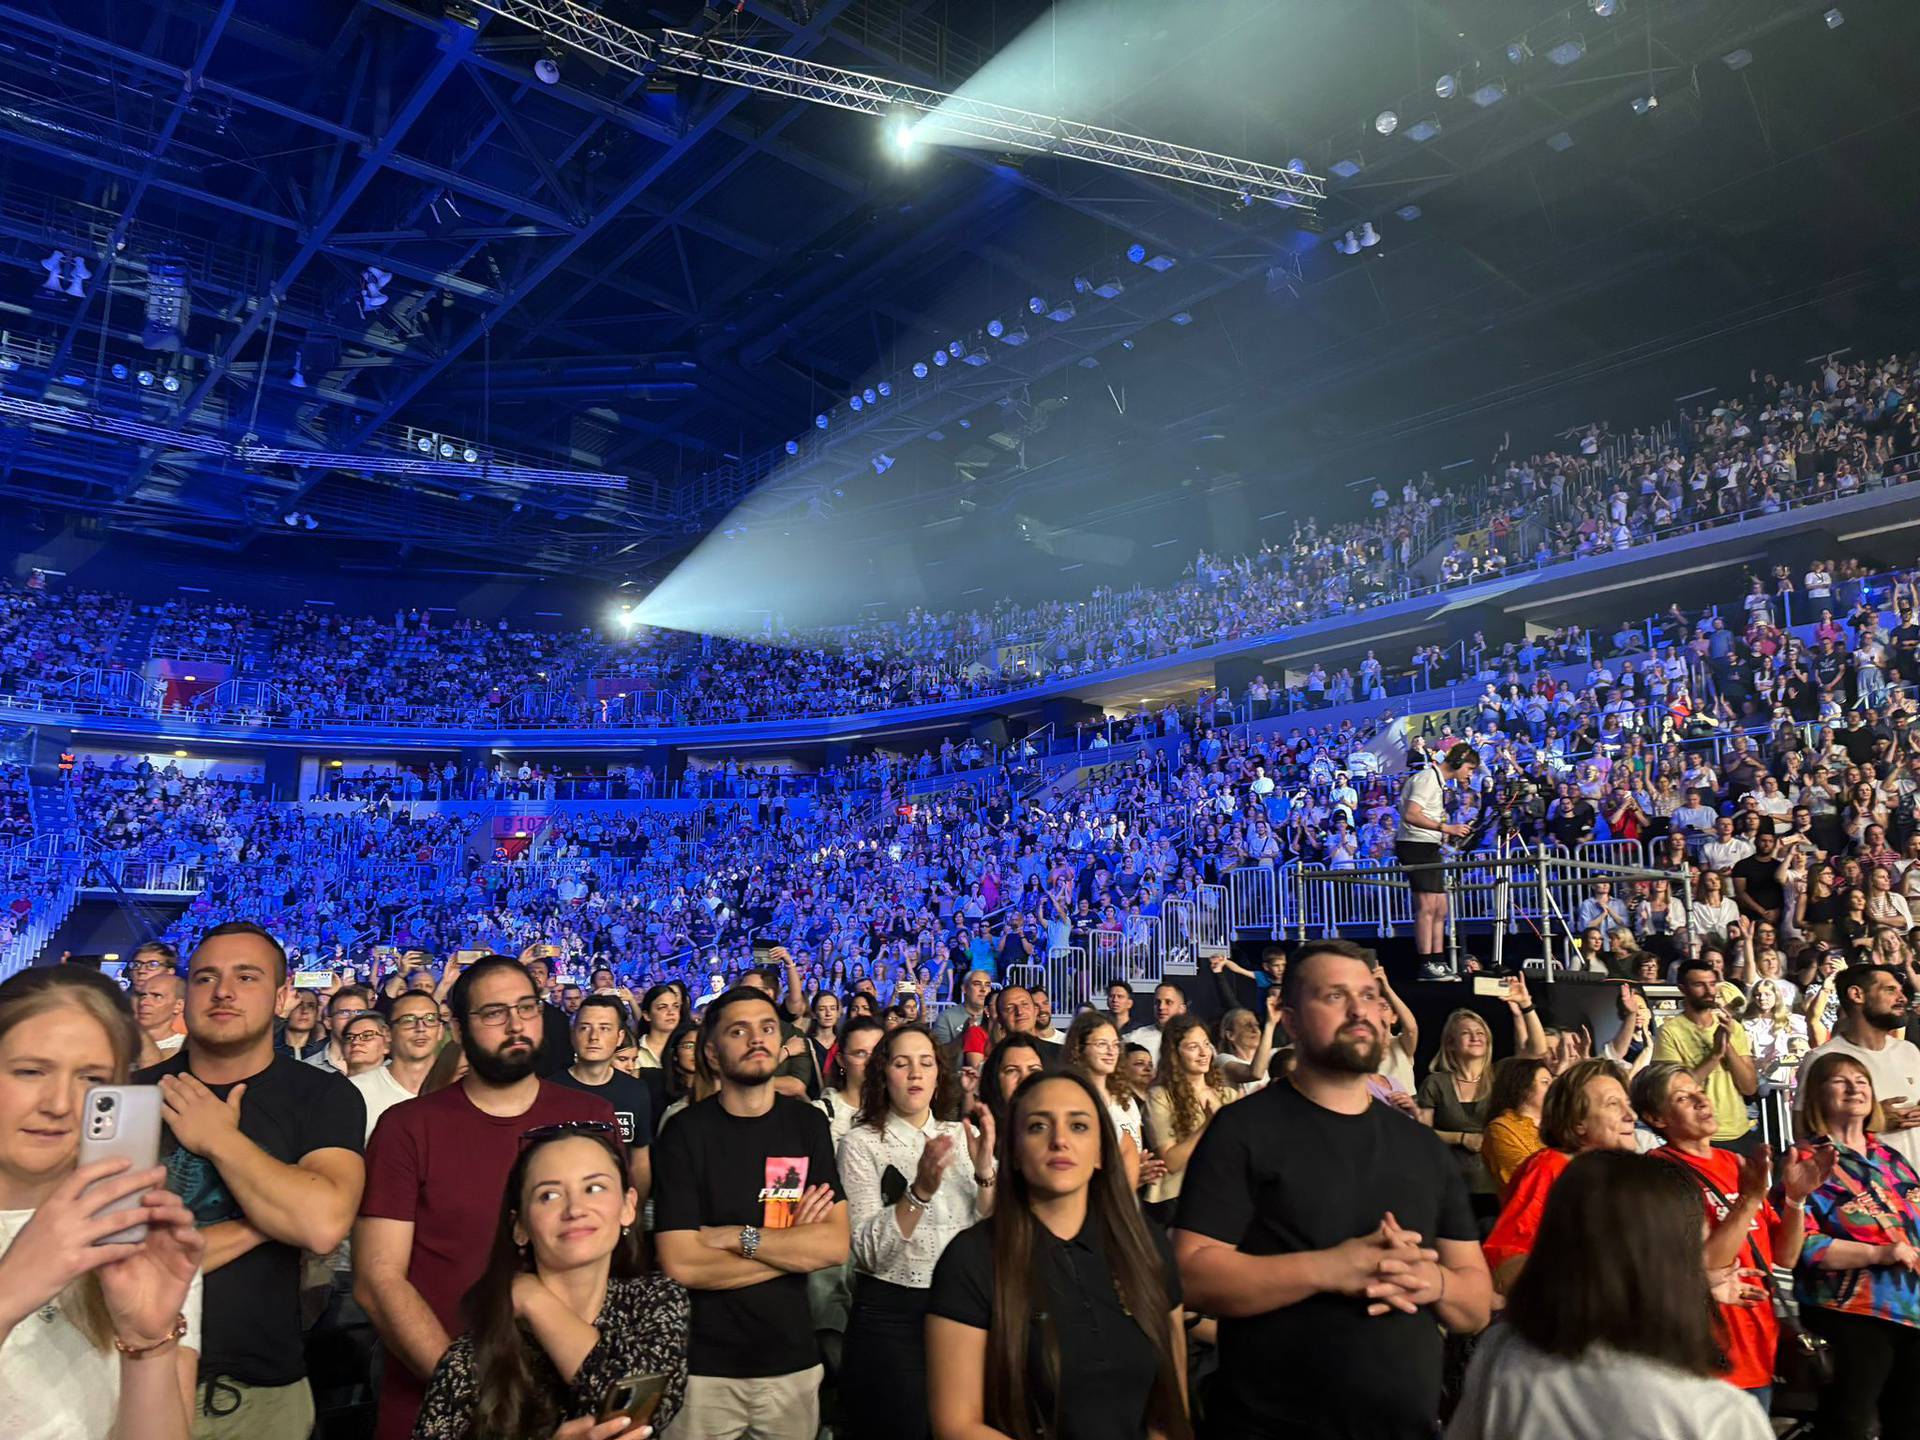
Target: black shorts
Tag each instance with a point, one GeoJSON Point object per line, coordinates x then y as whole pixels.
{"type": "Point", "coordinates": [1421, 860]}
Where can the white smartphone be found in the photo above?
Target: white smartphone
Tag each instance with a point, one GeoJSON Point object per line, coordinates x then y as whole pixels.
{"type": "Point", "coordinates": [121, 1122]}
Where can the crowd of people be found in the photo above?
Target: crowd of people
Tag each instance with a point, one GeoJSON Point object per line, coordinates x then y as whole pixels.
{"type": "Point", "coordinates": [1769, 444]}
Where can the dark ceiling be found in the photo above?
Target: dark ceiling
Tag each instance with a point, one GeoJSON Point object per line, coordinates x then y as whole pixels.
{"type": "Point", "coordinates": [667, 279]}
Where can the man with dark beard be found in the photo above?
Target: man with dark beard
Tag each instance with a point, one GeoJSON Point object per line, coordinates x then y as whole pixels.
{"type": "Point", "coordinates": [1325, 1227]}
{"type": "Point", "coordinates": [1874, 1009]}
{"type": "Point", "coordinates": [435, 1168]}
{"type": "Point", "coordinates": [748, 1205]}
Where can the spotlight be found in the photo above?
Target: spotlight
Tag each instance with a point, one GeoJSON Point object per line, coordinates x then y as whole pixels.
{"type": "Point", "coordinates": [307, 522]}
{"type": "Point", "coordinates": [1567, 51]}
{"type": "Point", "coordinates": [1162, 263]}
{"type": "Point", "coordinates": [1037, 304]}
{"type": "Point", "coordinates": [1297, 166]}
{"type": "Point", "coordinates": [171, 384]}
{"type": "Point", "coordinates": [920, 368]}
{"type": "Point", "coordinates": [53, 265]}
{"type": "Point", "coordinates": [1519, 52]}
{"type": "Point", "coordinates": [373, 289]}
{"type": "Point", "coordinates": [424, 444]}
{"type": "Point", "coordinates": [119, 371]}
{"type": "Point", "coordinates": [1422, 131]}
{"type": "Point", "coordinates": [857, 403]}
{"type": "Point", "coordinates": [1645, 103]}
{"type": "Point", "coordinates": [1386, 122]}
{"type": "Point", "coordinates": [1560, 141]}
{"type": "Point", "coordinates": [886, 388]}
{"type": "Point", "coordinates": [1348, 244]}
{"type": "Point", "coordinates": [903, 136]}
{"type": "Point", "coordinates": [820, 422]}
{"type": "Point", "coordinates": [470, 455]}
{"type": "Point", "coordinates": [1137, 253]}
{"type": "Point", "coordinates": [868, 395]}
{"type": "Point", "coordinates": [1834, 18]}
{"type": "Point", "coordinates": [1082, 285]}
{"type": "Point", "coordinates": [793, 447]}
{"type": "Point", "coordinates": [1369, 237]}
{"type": "Point", "coordinates": [145, 377]}
{"type": "Point", "coordinates": [996, 328]}
{"type": "Point", "coordinates": [1408, 212]}
{"type": "Point", "coordinates": [882, 463]}
{"type": "Point", "coordinates": [1015, 336]}
{"type": "Point", "coordinates": [1446, 87]}
{"type": "Point", "coordinates": [940, 358]}
{"type": "Point", "coordinates": [1183, 317]}
{"type": "Point", "coordinates": [1062, 313]}
{"type": "Point", "coordinates": [1737, 59]}
{"type": "Point", "coordinates": [547, 70]}
{"type": "Point", "coordinates": [1347, 167]}
{"type": "Point", "coordinates": [446, 449]}
{"type": "Point", "coordinates": [1110, 289]}
{"type": "Point", "coordinates": [1491, 93]}
{"type": "Point", "coordinates": [291, 519]}
{"type": "Point", "coordinates": [1605, 8]}
{"type": "Point", "coordinates": [956, 348]}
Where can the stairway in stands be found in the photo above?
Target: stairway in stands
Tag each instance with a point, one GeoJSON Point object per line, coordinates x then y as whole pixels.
{"type": "Point", "coordinates": [52, 805]}
{"type": "Point", "coordinates": [255, 658]}
{"type": "Point", "coordinates": [133, 646]}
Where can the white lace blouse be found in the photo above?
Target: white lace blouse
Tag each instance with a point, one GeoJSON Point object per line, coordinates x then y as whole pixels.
{"type": "Point", "coordinates": [879, 1249]}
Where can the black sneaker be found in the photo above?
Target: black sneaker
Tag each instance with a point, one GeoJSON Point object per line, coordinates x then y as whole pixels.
{"type": "Point", "coordinates": [1437, 970]}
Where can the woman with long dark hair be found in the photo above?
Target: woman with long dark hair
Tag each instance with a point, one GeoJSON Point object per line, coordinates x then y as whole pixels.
{"type": "Point", "coordinates": [660, 1012]}
{"type": "Point", "coordinates": [1060, 1315]}
{"type": "Point", "coordinates": [1189, 1088]}
{"type": "Point", "coordinates": [687, 1077]}
{"type": "Point", "coordinates": [913, 1180]}
{"type": "Point", "coordinates": [1610, 1328]}
{"type": "Point", "coordinates": [565, 1309]}
{"type": "Point", "coordinates": [1008, 1064]}
{"type": "Point", "coordinates": [845, 1091]}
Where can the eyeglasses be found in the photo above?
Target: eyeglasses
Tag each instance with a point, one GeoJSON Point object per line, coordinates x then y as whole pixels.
{"type": "Point", "coordinates": [491, 1015]}
{"type": "Point", "coordinates": [371, 1033]}
{"type": "Point", "coordinates": [604, 1129]}
{"type": "Point", "coordinates": [418, 1022]}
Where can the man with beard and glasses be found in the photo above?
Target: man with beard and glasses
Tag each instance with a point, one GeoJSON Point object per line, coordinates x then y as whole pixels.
{"type": "Point", "coordinates": [265, 1152]}
{"type": "Point", "coordinates": [435, 1169]}
{"type": "Point", "coordinates": [1321, 1225]}
{"type": "Point", "coordinates": [748, 1205]}
{"type": "Point", "coordinates": [1874, 1008]}
{"type": "Point", "coordinates": [1716, 1051]}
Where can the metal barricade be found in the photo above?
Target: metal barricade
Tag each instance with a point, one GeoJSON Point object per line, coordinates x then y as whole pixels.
{"type": "Point", "coordinates": [1253, 899]}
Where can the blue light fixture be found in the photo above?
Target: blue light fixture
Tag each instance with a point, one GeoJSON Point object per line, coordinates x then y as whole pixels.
{"type": "Point", "coordinates": [1137, 253]}
{"type": "Point", "coordinates": [1037, 304]}
{"type": "Point", "coordinates": [920, 368]}
{"type": "Point", "coordinates": [793, 447]}
{"type": "Point", "coordinates": [820, 422]}
{"type": "Point", "coordinates": [940, 358]}
{"type": "Point", "coordinates": [119, 371]}
{"type": "Point", "coordinates": [996, 328]}
{"type": "Point", "coordinates": [885, 388]}
{"type": "Point", "coordinates": [857, 403]}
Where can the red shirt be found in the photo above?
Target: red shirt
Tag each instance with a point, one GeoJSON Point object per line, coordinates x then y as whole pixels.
{"type": "Point", "coordinates": [1749, 1332]}
{"type": "Point", "coordinates": [440, 1163]}
{"type": "Point", "coordinates": [1519, 1223]}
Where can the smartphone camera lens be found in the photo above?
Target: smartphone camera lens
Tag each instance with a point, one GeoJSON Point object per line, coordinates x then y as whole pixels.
{"type": "Point", "coordinates": [104, 1104]}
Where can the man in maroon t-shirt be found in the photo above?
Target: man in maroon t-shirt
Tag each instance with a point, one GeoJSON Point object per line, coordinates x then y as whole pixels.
{"type": "Point", "coordinates": [435, 1168]}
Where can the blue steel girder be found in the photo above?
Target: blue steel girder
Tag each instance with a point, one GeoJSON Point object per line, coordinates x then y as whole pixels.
{"type": "Point", "coordinates": [550, 263]}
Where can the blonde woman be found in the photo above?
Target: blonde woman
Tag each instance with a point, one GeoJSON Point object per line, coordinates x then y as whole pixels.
{"type": "Point", "coordinates": [1188, 1089]}
{"type": "Point", "coordinates": [96, 1339]}
{"type": "Point", "coordinates": [1453, 1098]}
{"type": "Point", "coordinates": [1778, 1035]}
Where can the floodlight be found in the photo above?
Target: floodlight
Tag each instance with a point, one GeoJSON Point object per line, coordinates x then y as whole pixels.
{"type": "Point", "coordinates": [1446, 87]}
{"type": "Point", "coordinates": [1386, 122]}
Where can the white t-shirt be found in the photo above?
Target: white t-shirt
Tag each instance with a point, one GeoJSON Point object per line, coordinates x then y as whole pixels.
{"type": "Point", "coordinates": [381, 1092]}
{"type": "Point", "coordinates": [53, 1384]}
{"type": "Point", "coordinates": [1895, 1070]}
{"type": "Point", "coordinates": [1425, 789]}
{"type": "Point", "coordinates": [1513, 1392]}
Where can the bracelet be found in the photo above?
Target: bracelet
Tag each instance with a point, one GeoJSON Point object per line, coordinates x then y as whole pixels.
{"type": "Point", "coordinates": [1443, 1283]}
{"type": "Point", "coordinates": [1526, 1009]}
{"type": "Point", "coordinates": [914, 1200]}
{"type": "Point", "coordinates": [985, 1182]}
{"type": "Point", "coordinates": [140, 1352]}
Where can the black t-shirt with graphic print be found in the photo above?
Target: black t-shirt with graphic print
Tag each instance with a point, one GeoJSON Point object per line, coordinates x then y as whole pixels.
{"type": "Point", "coordinates": [250, 1308]}
{"type": "Point", "coordinates": [714, 1168]}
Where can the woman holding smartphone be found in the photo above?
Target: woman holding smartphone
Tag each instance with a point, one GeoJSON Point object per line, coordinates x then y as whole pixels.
{"type": "Point", "coordinates": [565, 1311]}
{"type": "Point", "coordinates": [1066, 1239]}
{"type": "Point", "coordinates": [96, 1339]}
{"type": "Point", "coordinates": [913, 1181]}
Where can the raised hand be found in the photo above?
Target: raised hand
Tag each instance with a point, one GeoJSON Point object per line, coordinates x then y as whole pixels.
{"type": "Point", "coordinates": [980, 1137]}
{"type": "Point", "coordinates": [1756, 1175]}
{"type": "Point", "coordinates": [1806, 1169]}
{"type": "Point", "coordinates": [934, 1159]}
{"type": "Point", "coordinates": [60, 1244]}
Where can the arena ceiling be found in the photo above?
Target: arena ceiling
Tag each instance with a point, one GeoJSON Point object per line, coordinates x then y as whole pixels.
{"type": "Point", "coordinates": [667, 279]}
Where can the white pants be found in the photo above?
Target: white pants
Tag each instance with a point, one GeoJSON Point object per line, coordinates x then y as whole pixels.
{"type": "Point", "coordinates": [773, 1407]}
